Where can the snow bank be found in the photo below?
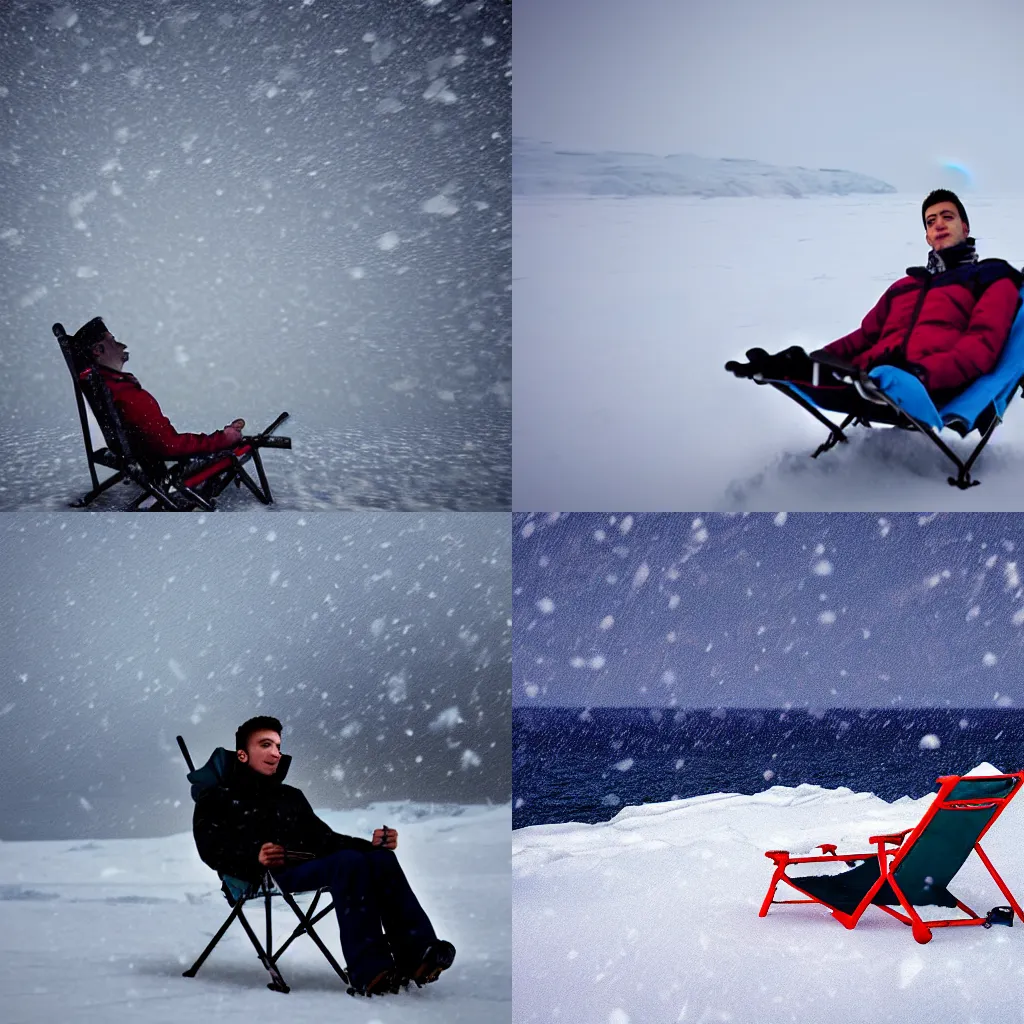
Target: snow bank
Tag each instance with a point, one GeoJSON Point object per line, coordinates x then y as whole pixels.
{"type": "Point", "coordinates": [540, 169]}
{"type": "Point", "coordinates": [652, 916]}
{"type": "Point", "coordinates": [99, 932]}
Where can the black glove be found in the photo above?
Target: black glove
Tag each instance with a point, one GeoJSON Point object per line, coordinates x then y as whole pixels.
{"type": "Point", "coordinates": [792, 363]}
{"type": "Point", "coordinates": [756, 358]}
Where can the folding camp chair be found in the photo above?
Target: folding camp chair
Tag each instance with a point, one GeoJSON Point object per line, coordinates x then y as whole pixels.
{"type": "Point", "coordinates": [238, 892]}
{"type": "Point", "coordinates": [185, 484]}
{"type": "Point", "coordinates": [888, 395]}
{"type": "Point", "coordinates": [912, 868]}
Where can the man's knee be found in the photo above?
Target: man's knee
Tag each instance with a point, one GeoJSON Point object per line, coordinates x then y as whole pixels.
{"type": "Point", "coordinates": [344, 861]}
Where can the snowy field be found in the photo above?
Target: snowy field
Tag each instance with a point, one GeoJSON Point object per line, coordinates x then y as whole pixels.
{"type": "Point", "coordinates": [391, 468]}
{"type": "Point", "coordinates": [99, 932]}
{"type": "Point", "coordinates": [626, 311]}
{"type": "Point", "coordinates": [652, 917]}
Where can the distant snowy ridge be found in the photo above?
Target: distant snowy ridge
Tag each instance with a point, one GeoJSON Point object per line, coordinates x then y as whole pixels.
{"type": "Point", "coordinates": [538, 168]}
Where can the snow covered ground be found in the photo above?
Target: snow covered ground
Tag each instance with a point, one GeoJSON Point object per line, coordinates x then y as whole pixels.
{"type": "Point", "coordinates": [99, 932]}
{"type": "Point", "coordinates": [652, 916]}
{"type": "Point", "coordinates": [627, 309]}
{"type": "Point", "coordinates": [391, 468]}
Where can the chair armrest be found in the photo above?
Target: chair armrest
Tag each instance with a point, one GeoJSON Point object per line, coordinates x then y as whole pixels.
{"type": "Point", "coordinates": [783, 857]}
{"type": "Point", "coordinates": [891, 837]}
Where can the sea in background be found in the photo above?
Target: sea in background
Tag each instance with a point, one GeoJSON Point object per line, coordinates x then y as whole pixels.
{"type": "Point", "coordinates": [575, 764]}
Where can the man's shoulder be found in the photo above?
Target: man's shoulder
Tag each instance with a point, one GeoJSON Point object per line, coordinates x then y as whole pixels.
{"type": "Point", "coordinates": [910, 281]}
{"type": "Point", "coordinates": [995, 269]}
{"type": "Point", "coordinates": [118, 378]}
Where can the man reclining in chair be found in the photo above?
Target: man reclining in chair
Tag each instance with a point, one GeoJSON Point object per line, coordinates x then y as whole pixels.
{"type": "Point", "coordinates": [253, 821]}
{"type": "Point", "coordinates": [146, 425]}
{"type": "Point", "coordinates": [945, 323]}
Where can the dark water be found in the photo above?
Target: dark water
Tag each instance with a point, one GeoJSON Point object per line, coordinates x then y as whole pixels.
{"type": "Point", "coordinates": [564, 761]}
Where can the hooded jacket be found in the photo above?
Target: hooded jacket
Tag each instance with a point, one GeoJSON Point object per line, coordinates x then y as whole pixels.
{"type": "Point", "coordinates": [148, 427]}
{"type": "Point", "coordinates": [238, 810]}
{"type": "Point", "coordinates": [947, 328]}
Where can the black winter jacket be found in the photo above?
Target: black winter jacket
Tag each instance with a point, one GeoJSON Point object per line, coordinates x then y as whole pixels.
{"type": "Point", "coordinates": [238, 810]}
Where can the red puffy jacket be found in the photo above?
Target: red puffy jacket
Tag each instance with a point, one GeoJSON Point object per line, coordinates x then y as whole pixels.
{"type": "Point", "coordinates": [148, 427]}
{"type": "Point", "coordinates": [951, 325]}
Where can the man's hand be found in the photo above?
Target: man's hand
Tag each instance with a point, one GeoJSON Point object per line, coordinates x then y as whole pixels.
{"type": "Point", "coordinates": [233, 432]}
{"type": "Point", "coordinates": [386, 837]}
{"type": "Point", "coordinates": [238, 424]}
{"type": "Point", "coordinates": [271, 855]}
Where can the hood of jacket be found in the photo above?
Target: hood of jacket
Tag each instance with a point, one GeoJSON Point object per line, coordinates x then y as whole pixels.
{"type": "Point", "coordinates": [224, 769]}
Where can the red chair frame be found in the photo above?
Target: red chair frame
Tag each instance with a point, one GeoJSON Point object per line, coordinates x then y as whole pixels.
{"type": "Point", "coordinates": [891, 849]}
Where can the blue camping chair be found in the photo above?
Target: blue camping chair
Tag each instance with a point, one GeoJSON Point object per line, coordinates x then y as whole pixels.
{"type": "Point", "coordinates": [238, 892]}
{"type": "Point", "coordinates": [889, 395]}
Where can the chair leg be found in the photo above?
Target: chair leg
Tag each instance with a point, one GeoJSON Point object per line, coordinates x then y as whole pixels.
{"type": "Point", "coordinates": [277, 984]}
{"type": "Point", "coordinates": [1003, 887]}
{"type": "Point", "coordinates": [316, 938]}
{"type": "Point", "coordinates": [301, 929]}
{"type": "Point", "coordinates": [98, 489]}
{"type": "Point", "coordinates": [264, 483]}
{"type": "Point", "coordinates": [235, 912]}
{"type": "Point", "coordinates": [244, 477]}
{"type": "Point", "coordinates": [770, 897]}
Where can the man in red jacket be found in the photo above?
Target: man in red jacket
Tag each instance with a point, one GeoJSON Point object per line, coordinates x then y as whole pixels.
{"type": "Point", "coordinates": [945, 323]}
{"type": "Point", "coordinates": [147, 427]}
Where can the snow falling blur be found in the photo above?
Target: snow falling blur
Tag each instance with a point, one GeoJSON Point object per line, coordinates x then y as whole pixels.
{"type": "Point", "coordinates": [760, 610]}
{"type": "Point", "coordinates": [382, 641]}
{"type": "Point", "coordinates": [291, 206]}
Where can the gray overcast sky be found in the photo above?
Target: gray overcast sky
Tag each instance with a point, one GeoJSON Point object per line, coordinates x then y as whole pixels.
{"type": "Point", "coordinates": [380, 640]}
{"type": "Point", "coordinates": [887, 88]}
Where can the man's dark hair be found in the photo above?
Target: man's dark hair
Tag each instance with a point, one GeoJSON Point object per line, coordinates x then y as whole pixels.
{"type": "Point", "coordinates": [943, 195]}
{"type": "Point", "coordinates": [86, 336]}
{"type": "Point", "coordinates": [246, 729]}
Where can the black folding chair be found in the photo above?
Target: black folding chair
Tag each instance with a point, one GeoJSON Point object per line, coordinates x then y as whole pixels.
{"type": "Point", "coordinates": [173, 485]}
{"type": "Point", "coordinates": [239, 892]}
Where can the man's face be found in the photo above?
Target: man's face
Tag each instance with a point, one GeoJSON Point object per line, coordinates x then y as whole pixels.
{"type": "Point", "coordinates": [943, 226]}
{"type": "Point", "coordinates": [263, 752]}
{"type": "Point", "coordinates": [109, 352]}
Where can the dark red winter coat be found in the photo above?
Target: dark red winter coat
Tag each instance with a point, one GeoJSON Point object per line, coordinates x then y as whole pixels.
{"type": "Point", "coordinates": [949, 327]}
{"type": "Point", "coordinates": [148, 428]}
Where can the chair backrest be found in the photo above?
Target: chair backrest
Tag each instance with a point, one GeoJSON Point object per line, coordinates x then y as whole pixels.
{"type": "Point", "coordinates": [89, 387]}
{"type": "Point", "coordinates": [996, 388]}
{"type": "Point", "coordinates": [964, 809]}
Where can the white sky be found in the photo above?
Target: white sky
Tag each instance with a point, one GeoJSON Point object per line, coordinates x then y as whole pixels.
{"type": "Point", "coordinates": [886, 87]}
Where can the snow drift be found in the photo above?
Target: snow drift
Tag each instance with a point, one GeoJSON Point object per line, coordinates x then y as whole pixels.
{"type": "Point", "coordinates": [652, 916]}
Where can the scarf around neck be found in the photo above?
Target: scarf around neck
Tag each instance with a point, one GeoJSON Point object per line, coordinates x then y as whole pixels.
{"type": "Point", "coordinates": [954, 256]}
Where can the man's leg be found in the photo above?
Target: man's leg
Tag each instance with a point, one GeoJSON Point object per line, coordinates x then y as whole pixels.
{"type": "Point", "coordinates": [348, 875]}
{"type": "Point", "coordinates": [408, 928]}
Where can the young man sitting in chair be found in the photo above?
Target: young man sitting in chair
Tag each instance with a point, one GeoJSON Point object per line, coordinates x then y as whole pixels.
{"type": "Point", "coordinates": [252, 822]}
{"type": "Point", "coordinates": [945, 323]}
{"type": "Point", "coordinates": [145, 423]}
